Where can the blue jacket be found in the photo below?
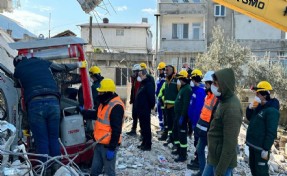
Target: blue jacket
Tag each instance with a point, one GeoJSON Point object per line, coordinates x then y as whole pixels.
{"type": "Point", "coordinates": [196, 104]}
{"type": "Point", "coordinates": [159, 83]}
{"type": "Point", "coordinates": [36, 78]}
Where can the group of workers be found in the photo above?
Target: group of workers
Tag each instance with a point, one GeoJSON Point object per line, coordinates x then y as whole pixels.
{"type": "Point", "coordinates": [207, 106]}
{"type": "Point", "coordinates": [187, 102]}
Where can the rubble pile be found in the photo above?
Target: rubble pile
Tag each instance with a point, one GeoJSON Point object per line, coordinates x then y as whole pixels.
{"type": "Point", "coordinates": [160, 161]}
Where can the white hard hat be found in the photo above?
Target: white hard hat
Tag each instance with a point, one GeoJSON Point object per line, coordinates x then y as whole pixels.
{"type": "Point", "coordinates": [208, 76]}
{"type": "Point", "coordinates": [136, 67]}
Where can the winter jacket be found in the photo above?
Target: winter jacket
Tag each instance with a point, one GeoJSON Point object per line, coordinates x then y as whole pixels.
{"type": "Point", "coordinates": [182, 101]}
{"type": "Point", "coordinates": [145, 98]}
{"type": "Point", "coordinates": [262, 129]}
{"type": "Point", "coordinates": [134, 89]}
{"type": "Point", "coordinates": [170, 91]}
{"type": "Point", "coordinates": [224, 128]}
{"type": "Point", "coordinates": [36, 78]}
{"type": "Point", "coordinates": [196, 104]}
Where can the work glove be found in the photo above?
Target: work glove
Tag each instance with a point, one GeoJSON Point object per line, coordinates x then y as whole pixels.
{"type": "Point", "coordinates": [110, 154]}
{"type": "Point", "coordinates": [264, 154]}
{"type": "Point", "coordinates": [180, 122]}
{"type": "Point", "coordinates": [82, 64]}
{"type": "Point", "coordinates": [26, 132]}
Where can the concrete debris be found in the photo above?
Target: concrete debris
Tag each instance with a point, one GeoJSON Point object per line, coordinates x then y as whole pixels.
{"type": "Point", "coordinates": [159, 161]}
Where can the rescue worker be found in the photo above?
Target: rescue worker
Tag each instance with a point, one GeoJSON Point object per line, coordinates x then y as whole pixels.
{"type": "Point", "coordinates": [144, 66]}
{"type": "Point", "coordinates": [263, 115]}
{"type": "Point", "coordinates": [203, 123]}
{"type": "Point", "coordinates": [96, 78]}
{"type": "Point", "coordinates": [144, 103]}
{"type": "Point", "coordinates": [181, 117]}
{"type": "Point", "coordinates": [195, 106]}
{"type": "Point", "coordinates": [159, 83]}
{"type": "Point", "coordinates": [186, 67]}
{"type": "Point", "coordinates": [135, 87]}
{"type": "Point", "coordinates": [170, 92]}
{"type": "Point", "coordinates": [225, 126]}
{"type": "Point", "coordinates": [41, 96]}
{"type": "Point", "coordinates": [107, 128]}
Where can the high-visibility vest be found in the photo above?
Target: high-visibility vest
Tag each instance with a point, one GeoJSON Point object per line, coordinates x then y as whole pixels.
{"type": "Point", "coordinates": [102, 125]}
{"type": "Point", "coordinates": [209, 103]}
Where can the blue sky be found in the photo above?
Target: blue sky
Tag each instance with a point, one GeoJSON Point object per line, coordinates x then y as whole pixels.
{"type": "Point", "coordinates": [67, 14]}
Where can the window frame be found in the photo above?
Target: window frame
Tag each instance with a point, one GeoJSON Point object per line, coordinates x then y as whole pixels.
{"type": "Point", "coordinates": [120, 32]}
{"type": "Point", "coordinates": [220, 10]}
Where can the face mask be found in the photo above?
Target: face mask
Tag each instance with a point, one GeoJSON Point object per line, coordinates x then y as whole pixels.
{"type": "Point", "coordinates": [257, 99]}
{"type": "Point", "coordinates": [178, 82]}
{"type": "Point", "coordinates": [214, 90]}
{"type": "Point", "coordinates": [183, 69]}
{"type": "Point", "coordinates": [191, 84]}
{"type": "Point", "coordinates": [139, 79]}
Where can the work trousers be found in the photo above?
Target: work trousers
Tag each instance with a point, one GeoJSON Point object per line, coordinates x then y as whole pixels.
{"type": "Point", "coordinates": [101, 163]}
{"type": "Point", "coordinates": [145, 129]}
{"type": "Point", "coordinates": [135, 119]}
{"type": "Point", "coordinates": [170, 116]}
{"type": "Point", "coordinates": [160, 115]}
{"type": "Point", "coordinates": [200, 148]}
{"type": "Point", "coordinates": [258, 165]}
{"type": "Point", "coordinates": [180, 136]}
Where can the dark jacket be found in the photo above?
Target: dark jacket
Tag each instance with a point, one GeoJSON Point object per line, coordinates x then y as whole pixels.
{"type": "Point", "coordinates": [145, 98]}
{"type": "Point", "coordinates": [225, 127]}
{"type": "Point", "coordinates": [262, 129]}
{"type": "Point", "coordinates": [116, 120]}
{"type": "Point", "coordinates": [36, 78]}
{"type": "Point", "coordinates": [182, 101]}
{"type": "Point", "coordinates": [95, 85]}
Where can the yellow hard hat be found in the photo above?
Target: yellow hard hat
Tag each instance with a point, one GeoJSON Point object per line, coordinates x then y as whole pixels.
{"type": "Point", "coordinates": [143, 66]}
{"type": "Point", "coordinates": [182, 74]}
{"type": "Point", "coordinates": [107, 85]}
{"type": "Point", "coordinates": [196, 72]}
{"type": "Point", "coordinates": [161, 66]}
{"type": "Point", "coordinates": [263, 86]}
{"type": "Point", "coordinates": [94, 70]}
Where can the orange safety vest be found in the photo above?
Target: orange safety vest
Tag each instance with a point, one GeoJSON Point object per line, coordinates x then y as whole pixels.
{"type": "Point", "coordinates": [102, 125]}
{"type": "Point", "coordinates": [209, 103]}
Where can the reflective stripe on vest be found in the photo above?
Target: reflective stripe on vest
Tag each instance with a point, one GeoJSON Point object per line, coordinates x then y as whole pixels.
{"type": "Point", "coordinates": [209, 104]}
{"type": "Point", "coordinates": [102, 124]}
{"type": "Point", "coordinates": [169, 102]}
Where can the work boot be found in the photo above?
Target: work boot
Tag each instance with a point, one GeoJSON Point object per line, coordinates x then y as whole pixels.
{"type": "Point", "coordinates": [140, 146]}
{"type": "Point", "coordinates": [197, 174]}
{"type": "Point", "coordinates": [169, 140]}
{"type": "Point", "coordinates": [175, 152]}
{"type": "Point", "coordinates": [193, 165]}
{"type": "Point", "coordinates": [146, 148]}
{"type": "Point", "coordinates": [132, 133]}
{"type": "Point", "coordinates": [163, 136]}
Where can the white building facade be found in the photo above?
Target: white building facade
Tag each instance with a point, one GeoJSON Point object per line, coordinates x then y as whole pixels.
{"type": "Point", "coordinates": [120, 38]}
{"type": "Point", "coordinates": [182, 31]}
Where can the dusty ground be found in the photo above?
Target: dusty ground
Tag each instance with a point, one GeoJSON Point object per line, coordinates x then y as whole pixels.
{"type": "Point", "coordinates": [132, 161]}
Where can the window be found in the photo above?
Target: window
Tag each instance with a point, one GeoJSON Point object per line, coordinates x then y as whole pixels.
{"type": "Point", "coordinates": [219, 11]}
{"type": "Point", "coordinates": [122, 75]}
{"type": "Point", "coordinates": [192, 63]}
{"type": "Point", "coordinates": [119, 32]}
{"type": "Point", "coordinates": [195, 31]}
{"type": "Point", "coordinates": [179, 31]}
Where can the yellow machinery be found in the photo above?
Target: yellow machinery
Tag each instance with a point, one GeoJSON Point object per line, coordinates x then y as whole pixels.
{"type": "Point", "coordinates": [272, 12]}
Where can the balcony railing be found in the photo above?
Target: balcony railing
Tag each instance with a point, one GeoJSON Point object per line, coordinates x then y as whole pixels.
{"type": "Point", "coordinates": [169, 7]}
{"type": "Point", "coordinates": [174, 45]}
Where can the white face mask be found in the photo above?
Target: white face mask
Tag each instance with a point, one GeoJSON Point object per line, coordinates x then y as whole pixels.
{"type": "Point", "coordinates": [257, 99]}
{"type": "Point", "coordinates": [178, 82]}
{"type": "Point", "coordinates": [214, 90]}
{"type": "Point", "coordinates": [139, 79]}
{"type": "Point", "coordinates": [183, 69]}
{"type": "Point", "coordinates": [191, 83]}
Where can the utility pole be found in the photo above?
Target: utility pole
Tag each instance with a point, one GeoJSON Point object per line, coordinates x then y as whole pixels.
{"type": "Point", "coordinates": [49, 25]}
{"type": "Point", "coordinates": [155, 62]}
{"type": "Point", "coordinates": [90, 30]}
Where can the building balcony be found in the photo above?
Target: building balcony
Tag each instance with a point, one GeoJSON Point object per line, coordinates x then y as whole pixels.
{"type": "Point", "coordinates": [183, 45]}
{"type": "Point", "coordinates": [168, 7]}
